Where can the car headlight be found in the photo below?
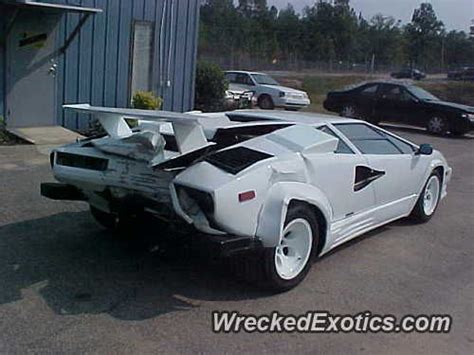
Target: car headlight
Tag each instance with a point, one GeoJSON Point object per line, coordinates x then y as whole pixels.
{"type": "Point", "coordinates": [282, 94]}
{"type": "Point", "coordinates": [469, 116]}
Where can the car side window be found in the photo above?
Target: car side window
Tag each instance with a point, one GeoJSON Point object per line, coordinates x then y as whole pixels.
{"type": "Point", "coordinates": [369, 90]}
{"type": "Point", "coordinates": [372, 141]}
{"type": "Point", "coordinates": [231, 77]}
{"type": "Point", "coordinates": [244, 79]}
{"type": "Point", "coordinates": [342, 147]}
{"type": "Point", "coordinates": [393, 93]}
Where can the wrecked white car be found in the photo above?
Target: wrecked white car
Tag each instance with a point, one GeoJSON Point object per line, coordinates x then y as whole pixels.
{"type": "Point", "coordinates": [283, 188]}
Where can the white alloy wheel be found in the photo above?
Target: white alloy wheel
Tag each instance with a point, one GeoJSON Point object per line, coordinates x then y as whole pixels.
{"type": "Point", "coordinates": [349, 111]}
{"type": "Point", "coordinates": [294, 250]}
{"type": "Point", "coordinates": [437, 125]}
{"type": "Point", "coordinates": [431, 195]}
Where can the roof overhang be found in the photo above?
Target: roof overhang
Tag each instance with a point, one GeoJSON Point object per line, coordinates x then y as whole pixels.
{"type": "Point", "coordinates": [50, 6]}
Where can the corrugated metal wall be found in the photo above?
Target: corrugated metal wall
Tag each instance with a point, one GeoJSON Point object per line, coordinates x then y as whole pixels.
{"type": "Point", "coordinates": [2, 66]}
{"type": "Point", "coordinates": [96, 66]}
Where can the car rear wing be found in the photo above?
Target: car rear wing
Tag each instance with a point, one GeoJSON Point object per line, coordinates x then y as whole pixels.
{"type": "Point", "coordinates": [188, 131]}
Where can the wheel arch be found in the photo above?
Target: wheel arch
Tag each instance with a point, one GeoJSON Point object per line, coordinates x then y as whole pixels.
{"type": "Point", "coordinates": [280, 198]}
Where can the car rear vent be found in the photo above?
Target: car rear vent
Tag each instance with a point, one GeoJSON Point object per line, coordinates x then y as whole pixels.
{"type": "Point", "coordinates": [81, 161]}
{"type": "Point", "coordinates": [236, 159]}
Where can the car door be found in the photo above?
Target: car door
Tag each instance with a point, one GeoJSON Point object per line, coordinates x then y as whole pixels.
{"type": "Point", "coordinates": [335, 175]}
{"type": "Point", "coordinates": [393, 170]}
{"type": "Point", "coordinates": [396, 104]}
{"type": "Point", "coordinates": [365, 99]}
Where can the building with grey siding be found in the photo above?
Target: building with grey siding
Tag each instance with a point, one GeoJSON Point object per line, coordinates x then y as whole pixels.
{"type": "Point", "coordinates": [93, 51]}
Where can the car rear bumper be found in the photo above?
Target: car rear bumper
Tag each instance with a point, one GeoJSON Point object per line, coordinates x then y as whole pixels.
{"type": "Point", "coordinates": [292, 103]}
{"type": "Point", "coordinates": [224, 245]}
{"type": "Point", "coordinates": [227, 245]}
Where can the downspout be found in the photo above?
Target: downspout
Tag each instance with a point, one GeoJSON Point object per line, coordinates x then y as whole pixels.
{"type": "Point", "coordinates": [160, 44]}
{"type": "Point", "coordinates": [170, 47]}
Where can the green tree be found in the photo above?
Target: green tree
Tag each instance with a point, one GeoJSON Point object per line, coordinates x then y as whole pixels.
{"type": "Point", "coordinates": [424, 35]}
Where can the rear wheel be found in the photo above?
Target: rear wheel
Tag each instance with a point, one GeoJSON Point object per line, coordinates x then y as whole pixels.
{"type": "Point", "coordinates": [124, 225]}
{"type": "Point", "coordinates": [437, 125]}
{"type": "Point", "coordinates": [351, 111]}
{"type": "Point", "coordinates": [429, 199]}
{"type": "Point", "coordinates": [107, 220]}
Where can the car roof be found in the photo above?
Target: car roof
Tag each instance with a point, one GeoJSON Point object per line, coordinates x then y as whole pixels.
{"type": "Point", "coordinates": [307, 118]}
{"type": "Point", "coordinates": [243, 72]}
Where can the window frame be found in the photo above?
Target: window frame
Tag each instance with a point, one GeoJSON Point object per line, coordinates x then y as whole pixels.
{"type": "Point", "coordinates": [152, 25]}
{"type": "Point", "coordinates": [380, 131]}
{"type": "Point", "coordinates": [337, 135]}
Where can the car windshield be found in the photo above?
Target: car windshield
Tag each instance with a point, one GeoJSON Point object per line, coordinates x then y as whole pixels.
{"type": "Point", "coordinates": [421, 94]}
{"type": "Point", "coordinates": [263, 79]}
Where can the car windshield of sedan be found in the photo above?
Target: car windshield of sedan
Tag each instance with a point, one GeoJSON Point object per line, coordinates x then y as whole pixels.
{"type": "Point", "coordinates": [263, 79]}
{"type": "Point", "coordinates": [421, 94]}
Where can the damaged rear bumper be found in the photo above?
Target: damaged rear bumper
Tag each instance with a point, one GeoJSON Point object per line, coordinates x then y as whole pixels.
{"type": "Point", "coordinates": [56, 191]}
{"type": "Point", "coordinates": [224, 245]}
{"type": "Point", "coordinates": [228, 245]}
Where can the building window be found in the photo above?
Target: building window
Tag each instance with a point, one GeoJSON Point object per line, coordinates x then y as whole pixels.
{"type": "Point", "coordinates": [142, 56]}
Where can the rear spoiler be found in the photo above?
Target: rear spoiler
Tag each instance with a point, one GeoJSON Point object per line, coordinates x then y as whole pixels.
{"type": "Point", "coordinates": [187, 129]}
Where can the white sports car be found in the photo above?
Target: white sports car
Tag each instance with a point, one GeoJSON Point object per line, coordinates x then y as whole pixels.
{"type": "Point", "coordinates": [274, 189]}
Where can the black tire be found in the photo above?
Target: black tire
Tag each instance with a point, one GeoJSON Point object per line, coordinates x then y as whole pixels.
{"type": "Point", "coordinates": [437, 125]}
{"type": "Point", "coordinates": [260, 268]}
{"type": "Point", "coordinates": [122, 225]}
{"type": "Point", "coordinates": [418, 214]}
{"type": "Point", "coordinates": [265, 102]}
{"type": "Point", "coordinates": [351, 111]}
{"type": "Point", "coordinates": [107, 220]}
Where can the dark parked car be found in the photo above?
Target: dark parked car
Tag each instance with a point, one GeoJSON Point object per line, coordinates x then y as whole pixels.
{"type": "Point", "coordinates": [407, 104]}
{"type": "Point", "coordinates": [409, 74]}
{"type": "Point", "coordinates": [465, 73]}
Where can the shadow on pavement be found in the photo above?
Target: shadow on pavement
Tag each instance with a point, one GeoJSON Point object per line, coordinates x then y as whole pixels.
{"type": "Point", "coordinates": [76, 267]}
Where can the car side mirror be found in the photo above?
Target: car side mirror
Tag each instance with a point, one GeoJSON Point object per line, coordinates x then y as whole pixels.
{"type": "Point", "coordinates": [425, 149]}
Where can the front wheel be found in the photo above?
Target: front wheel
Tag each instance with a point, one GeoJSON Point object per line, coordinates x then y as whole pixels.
{"type": "Point", "coordinates": [429, 199]}
{"type": "Point", "coordinates": [265, 102]}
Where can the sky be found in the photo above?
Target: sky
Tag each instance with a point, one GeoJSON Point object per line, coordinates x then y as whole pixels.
{"type": "Point", "coordinates": [456, 14]}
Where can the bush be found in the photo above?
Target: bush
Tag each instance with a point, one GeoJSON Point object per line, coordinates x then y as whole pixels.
{"type": "Point", "coordinates": [210, 87]}
{"type": "Point", "coordinates": [146, 100]}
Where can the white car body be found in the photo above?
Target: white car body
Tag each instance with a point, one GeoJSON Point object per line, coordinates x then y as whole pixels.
{"type": "Point", "coordinates": [249, 184]}
{"type": "Point", "coordinates": [281, 96]}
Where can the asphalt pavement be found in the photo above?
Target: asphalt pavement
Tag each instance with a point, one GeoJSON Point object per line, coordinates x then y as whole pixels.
{"type": "Point", "coordinates": [67, 286]}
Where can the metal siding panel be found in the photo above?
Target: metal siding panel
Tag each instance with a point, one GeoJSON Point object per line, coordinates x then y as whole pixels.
{"type": "Point", "coordinates": [179, 54]}
{"type": "Point", "coordinates": [123, 68]}
{"type": "Point", "coordinates": [149, 13]}
{"type": "Point", "coordinates": [166, 48]}
{"type": "Point", "coordinates": [157, 61]}
{"type": "Point", "coordinates": [84, 77]}
{"type": "Point", "coordinates": [111, 52]}
{"type": "Point", "coordinates": [98, 54]}
{"type": "Point", "coordinates": [193, 56]}
{"type": "Point", "coordinates": [71, 71]}
{"type": "Point", "coordinates": [138, 10]}
{"type": "Point", "coordinates": [2, 79]}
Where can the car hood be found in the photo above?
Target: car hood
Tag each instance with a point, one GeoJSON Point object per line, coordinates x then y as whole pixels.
{"type": "Point", "coordinates": [283, 88]}
{"type": "Point", "coordinates": [452, 105]}
{"type": "Point", "coordinates": [237, 89]}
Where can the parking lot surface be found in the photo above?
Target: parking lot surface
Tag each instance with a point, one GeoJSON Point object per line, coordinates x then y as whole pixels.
{"type": "Point", "coordinates": [66, 285]}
